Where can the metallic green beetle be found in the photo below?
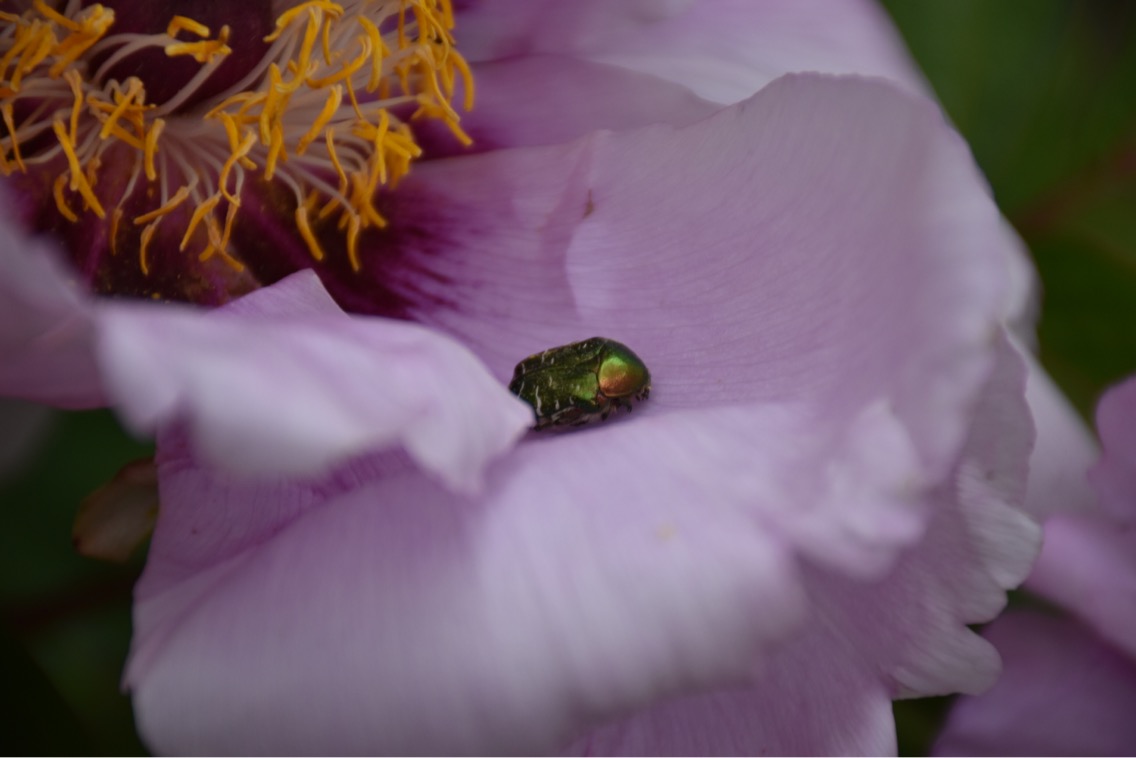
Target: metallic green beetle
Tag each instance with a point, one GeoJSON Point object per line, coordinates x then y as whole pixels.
{"type": "Point", "coordinates": [580, 383]}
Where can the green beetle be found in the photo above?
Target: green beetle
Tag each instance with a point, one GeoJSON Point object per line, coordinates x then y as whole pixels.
{"type": "Point", "coordinates": [580, 383]}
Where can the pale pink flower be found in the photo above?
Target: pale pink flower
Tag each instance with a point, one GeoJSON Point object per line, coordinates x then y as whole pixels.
{"type": "Point", "coordinates": [824, 490]}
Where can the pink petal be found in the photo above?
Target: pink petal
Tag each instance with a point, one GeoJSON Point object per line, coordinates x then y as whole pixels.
{"type": "Point", "coordinates": [1088, 564]}
{"type": "Point", "coordinates": [399, 617]}
{"type": "Point", "coordinates": [714, 264]}
{"type": "Point", "coordinates": [45, 327]}
{"type": "Point", "coordinates": [288, 383]}
{"type": "Point", "coordinates": [722, 50]}
{"type": "Point", "coordinates": [599, 96]}
{"type": "Point", "coordinates": [1114, 478]}
{"type": "Point", "coordinates": [1063, 692]}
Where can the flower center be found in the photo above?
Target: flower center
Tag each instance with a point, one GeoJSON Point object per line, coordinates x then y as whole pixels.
{"type": "Point", "coordinates": [163, 121]}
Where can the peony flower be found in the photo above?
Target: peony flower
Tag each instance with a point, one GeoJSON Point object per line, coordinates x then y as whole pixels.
{"type": "Point", "coordinates": [356, 551]}
{"type": "Point", "coordinates": [1070, 682]}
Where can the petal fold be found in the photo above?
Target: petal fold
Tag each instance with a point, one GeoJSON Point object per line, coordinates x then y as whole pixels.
{"type": "Point", "coordinates": [286, 383]}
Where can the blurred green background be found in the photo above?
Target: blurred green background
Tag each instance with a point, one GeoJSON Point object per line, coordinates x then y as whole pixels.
{"type": "Point", "coordinates": [1044, 91]}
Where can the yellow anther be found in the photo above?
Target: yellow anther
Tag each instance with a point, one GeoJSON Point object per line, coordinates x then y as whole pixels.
{"type": "Point", "coordinates": [10, 122]}
{"type": "Point", "coordinates": [236, 156]}
{"type": "Point", "coordinates": [78, 180]}
{"type": "Point", "coordinates": [213, 231]}
{"type": "Point", "coordinates": [51, 14]}
{"type": "Point", "coordinates": [179, 197]}
{"type": "Point", "coordinates": [354, 225]}
{"type": "Point", "coordinates": [38, 48]}
{"type": "Point", "coordinates": [147, 235]}
{"type": "Point", "coordinates": [275, 151]}
{"type": "Point", "coordinates": [75, 81]}
{"type": "Point", "coordinates": [325, 43]}
{"type": "Point", "coordinates": [285, 19]}
{"type": "Point", "coordinates": [329, 139]}
{"type": "Point", "coordinates": [182, 23]}
{"type": "Point", "coordinates": [306, 232]}
{"type": "Point", "coordinates": [238, 147]}
{"type": "Point", "coordinates": [123, 102]}
{"type": "Point", "coordinates": [86, 30]}
{"type": "Point", "coordinates": [275, 101]}
{"type": "Point", "coordinates": [311, 33]}
{"type": "Point", "coordinates": [199, 213]}
{"type": "Point", "coordinates": [61, 201]}
{"type": "Point", "coordinates": [330, 108]}
{"type": "Point", "coordinates": [126, 137]}
{"type": "Point", "coordinates": [150, 148]}
{"type": "Point", "coordinates": [346, 72]}
{"type": "Point", "coordinates": [377, 52]}
{"type": "Point", "coordinates": [202, 51]}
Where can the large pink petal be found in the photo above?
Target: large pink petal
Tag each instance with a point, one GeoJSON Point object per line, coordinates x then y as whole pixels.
{"type": "Point", "coordinates": [721, 50]}
{"type": "Point", "coordinates": [766, 255]}
{"type": "Point", "coordinates": [1063, 692]}
{"type": "Point", "coordinates": [286, 383]}
{"type": "Point", "coordinates": [597, 65]}
{"type": "Point", "coordinates": [398, 617]}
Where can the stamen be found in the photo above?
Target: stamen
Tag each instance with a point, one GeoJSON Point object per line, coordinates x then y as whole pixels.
{"type": "Point", "coordinates": [150, 148]}
{"type": "Point", "coordinates": [330, 108]}
{"type": "Point", "coordinates": [147, 235]}
{"type": "Point", "coordinates": [179, 197]}
{"type": "Point", "coordinates": [181, 23]}
{"type": "Point", "coordinates": [204, 51]}
{"type": "Point", "coordinates": [200, 213]}
{"type": "Point", "coordinates": [9, 121]}
{"type": "Point", "coordinates": [61, 201]}
{"type": "Point", "coordinates": [78, 180]}
{"type": "Point", "coordinates": [306, 232]}
{"type": "Point", "coordinates": [317, 106]}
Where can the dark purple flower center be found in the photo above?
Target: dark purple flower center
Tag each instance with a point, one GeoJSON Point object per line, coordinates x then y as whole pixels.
{"type": "Point", "coordinates": [141, 132]}
{"type": "Point", "coordinates": [164, 76]}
